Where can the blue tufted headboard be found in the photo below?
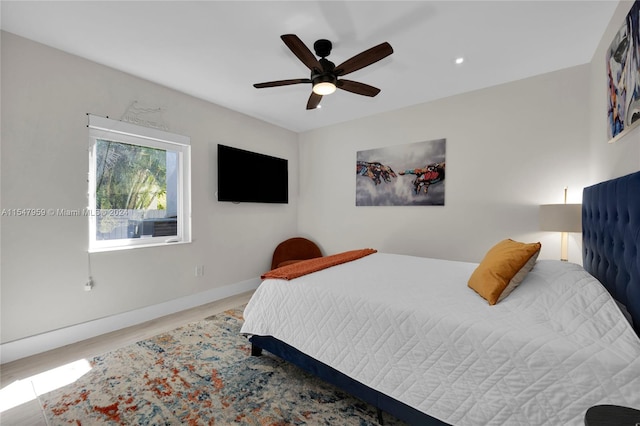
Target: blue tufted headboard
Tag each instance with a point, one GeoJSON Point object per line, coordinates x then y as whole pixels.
{"type": "Point", "coordinates": [611, 239]}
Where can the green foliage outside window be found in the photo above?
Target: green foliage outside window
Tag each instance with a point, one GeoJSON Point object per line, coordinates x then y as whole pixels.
{"type": "Point", "coordinates": [130, 176]}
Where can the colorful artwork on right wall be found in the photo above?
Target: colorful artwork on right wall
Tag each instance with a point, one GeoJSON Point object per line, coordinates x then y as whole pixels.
{"type": "Point", "coordinates": [623, 75]}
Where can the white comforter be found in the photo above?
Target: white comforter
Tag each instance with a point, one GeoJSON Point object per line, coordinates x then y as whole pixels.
{"type": "Point", "coordinates": [412, 329]}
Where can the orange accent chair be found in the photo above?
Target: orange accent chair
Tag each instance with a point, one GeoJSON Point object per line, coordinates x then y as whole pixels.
{"type": "Point", "coordinates": [294, 250]}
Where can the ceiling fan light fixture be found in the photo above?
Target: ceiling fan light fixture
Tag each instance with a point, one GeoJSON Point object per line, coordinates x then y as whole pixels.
{"type": "Point", "coordinates": [324, 88]}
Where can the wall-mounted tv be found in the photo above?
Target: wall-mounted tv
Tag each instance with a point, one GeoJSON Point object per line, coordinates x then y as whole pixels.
{"type": "Point", "coordinates": [250, 177]}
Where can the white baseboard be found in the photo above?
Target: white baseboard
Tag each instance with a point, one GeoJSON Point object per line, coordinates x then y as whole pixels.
{"type": "Point", "coordinates": [33, 345]}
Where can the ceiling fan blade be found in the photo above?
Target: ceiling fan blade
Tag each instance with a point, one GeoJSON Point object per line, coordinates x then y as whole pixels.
{"type": "Point", "coordinates": [357, 88]}
{"type": "Point", "coordinates": [301, 51]}
{"type": "Point", "coordinates": [364, 59]}
{"type": "Point", "coordinates": [314, 101]}
{"type": "Point", "coordinates": [281, 83]}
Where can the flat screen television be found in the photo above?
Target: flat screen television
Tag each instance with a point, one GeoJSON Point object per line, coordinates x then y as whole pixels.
{"type": "Point", "coordinates": [250, 177]}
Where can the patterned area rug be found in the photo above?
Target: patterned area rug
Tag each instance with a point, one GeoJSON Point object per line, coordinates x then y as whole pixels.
{"type": "Point", "coordinates": [202, 374]}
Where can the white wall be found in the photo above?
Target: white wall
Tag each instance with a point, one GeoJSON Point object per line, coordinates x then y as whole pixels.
{"type": "Point", "coordinates": [509, 149]}
{"type": "Point", "coordinates": [609, 160]}
{"type": "Point", "coordinates": [45, 96]}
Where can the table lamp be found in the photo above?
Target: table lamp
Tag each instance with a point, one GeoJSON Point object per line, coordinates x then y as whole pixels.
{"type": "Point", "coordinates": [563, 218]}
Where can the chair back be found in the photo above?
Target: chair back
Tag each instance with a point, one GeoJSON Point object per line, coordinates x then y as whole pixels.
{"type": "Point", "coordinates": [293, 249]}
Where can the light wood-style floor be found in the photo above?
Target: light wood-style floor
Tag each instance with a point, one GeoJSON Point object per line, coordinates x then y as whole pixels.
{"type": "Point", "coordinates": [31, 414]}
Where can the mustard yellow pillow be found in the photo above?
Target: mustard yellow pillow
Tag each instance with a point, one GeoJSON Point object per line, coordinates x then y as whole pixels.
{"type": "Point", "coordinates": [503, 268]}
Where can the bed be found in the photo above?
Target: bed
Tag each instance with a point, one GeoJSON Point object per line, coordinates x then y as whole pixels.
{"type": "Point", "coordinates": [408, 335]}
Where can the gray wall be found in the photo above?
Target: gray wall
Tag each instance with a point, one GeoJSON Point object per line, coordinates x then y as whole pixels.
{"type": "Point", "coordinates": [509, 149]}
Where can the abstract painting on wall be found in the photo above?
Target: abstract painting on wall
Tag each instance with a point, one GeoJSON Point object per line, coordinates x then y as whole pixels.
{"type": "Point", "coordinates": [623, 75]}
{"type": "Point", "coordinates": [402, 175]}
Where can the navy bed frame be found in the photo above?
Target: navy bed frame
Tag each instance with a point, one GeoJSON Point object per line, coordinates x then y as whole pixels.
{"type": "Point", "coordinates": [611, 239]}
{"type": "Point", "coordinates": [611, 253]}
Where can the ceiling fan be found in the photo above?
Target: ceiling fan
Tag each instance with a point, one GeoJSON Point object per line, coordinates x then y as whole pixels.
{"type": "Point", "coordinates": [324, 73]}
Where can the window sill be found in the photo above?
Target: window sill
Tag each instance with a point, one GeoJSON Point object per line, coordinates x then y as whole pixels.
{"type": "Point", "coordinates": [137, 246]}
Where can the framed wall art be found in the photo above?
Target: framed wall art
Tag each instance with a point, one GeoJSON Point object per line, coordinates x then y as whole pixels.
{"type": "Point", "coordinates": [623, 76]}
{"type": "Point", "coordinates": [402, 175]}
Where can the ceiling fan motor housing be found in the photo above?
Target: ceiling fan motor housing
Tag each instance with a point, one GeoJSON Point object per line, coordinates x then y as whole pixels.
{"type": "Point", "coordinates": [326, 75]}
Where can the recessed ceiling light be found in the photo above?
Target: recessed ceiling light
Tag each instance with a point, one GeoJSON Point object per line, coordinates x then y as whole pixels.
{"type": "Point", "coordinates": [459, 60]}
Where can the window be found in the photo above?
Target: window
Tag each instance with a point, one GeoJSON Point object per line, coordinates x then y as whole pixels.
{"type": "Point", "coordinates": [139, 186]}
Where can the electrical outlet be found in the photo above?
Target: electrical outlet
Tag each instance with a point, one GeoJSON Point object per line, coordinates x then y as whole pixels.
{"type": "Point", "coordinates": [199, 270]}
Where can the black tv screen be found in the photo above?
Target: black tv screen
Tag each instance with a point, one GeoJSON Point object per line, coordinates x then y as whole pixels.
{"type": "Point", "coordinates": [250, 177]}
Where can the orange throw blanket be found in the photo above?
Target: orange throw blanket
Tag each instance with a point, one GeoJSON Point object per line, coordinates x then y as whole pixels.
{"type": "Point", "coordinates": [304, 267]}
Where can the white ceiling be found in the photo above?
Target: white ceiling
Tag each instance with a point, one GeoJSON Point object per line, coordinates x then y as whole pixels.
{"type": "Point", "coordinates": [216, 50]}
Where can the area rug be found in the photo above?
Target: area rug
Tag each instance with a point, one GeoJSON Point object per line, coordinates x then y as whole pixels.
{"type": "Point", "coordinates": [202, 374]}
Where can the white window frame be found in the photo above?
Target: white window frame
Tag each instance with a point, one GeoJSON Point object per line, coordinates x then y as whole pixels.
{"type": "Point", "coordinates": [119, 131]}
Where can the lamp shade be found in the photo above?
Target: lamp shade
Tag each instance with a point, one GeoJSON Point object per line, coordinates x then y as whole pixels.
{"type": "Point", "coordinates": [561, 217]}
